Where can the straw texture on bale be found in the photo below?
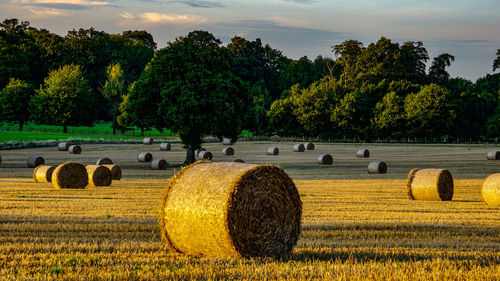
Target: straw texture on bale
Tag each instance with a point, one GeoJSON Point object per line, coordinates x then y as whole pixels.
{"type": "Point", "coordinates": [228, 151]}
{"type": "Point", "coordinates": [145, 157]}
{"type": "Point", "coordinates": [275, 138]}
{"type": "Point", "coordinates": [75, 149]}
{"type": "Point", "coordinates": [227, 141]}
{"type": "Point", "coordinates": [63, 146]}
{"type": "Point", "coordinates": [43, 173]}
{"type": "Point", "coordinates": [325, 159]}
{"type": "Point", "coordinates": [99, 175]}
{"type": "Point", "coordinates": [430, 185]}
{"type": "Point", "coordinates": [377, 167]}
{"type": "Point", "coordinates": [35, 161]}
{"type": "Point", "coordinates": [309, 145]}
{"type": "Point", "coordinates": [493, 155]}
{"type": "Point", "coordinates": [363, 153]}
{"type": "Point", "coordinates": [159, 164]}
{"type": "Point", "coordinates": [104, 161]}
{"type": "Point", "coordinates": [239, 160]}
{"type": "Point", "coordinates": [299, 147]}
{"type": "Point", "coordinates": [165, 146]}
{"type": "Point", "coordinates": [491, 190]}
{"type": "Point", "coordinates": [205, 155]}
{"type": "Point", "coordinates": [229, 209]}
{"type": "Point", "coordinates": [147, 141]}
{"type": "Point", "coordinates": [116, 171]}
{"type": "Point", "coordinates": [272, 150]}
{"type": "Point", "coordinates": [70, 175]}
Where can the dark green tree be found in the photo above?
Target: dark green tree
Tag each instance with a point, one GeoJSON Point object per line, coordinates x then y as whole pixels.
{"type": "Point", "coordinates": [437, 71]}
{"type": "Point", "coordinates": [496, 62]}
{"type": "Point", "coordinates": [348, 51]}
{"type": "Point", "coordinates": [14, 102]}
{"type": "Point", "coordinates": [114, 89]}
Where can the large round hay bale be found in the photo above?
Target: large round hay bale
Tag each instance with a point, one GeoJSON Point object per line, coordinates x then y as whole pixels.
{"type": "Point", "coordinates": [104, 161]}
{"type": "Point", "coordinates": [309, 145]}
{"type": "Point", "coordinates": [272, 150]}
{"type": "Point", "coordinates": [197, 152]}
{"type": "Point", "coordinates": [239, 160]}
{"type": "Point", "coordinates": [75, 149]}
{"type": "Point", "coordinates": [228, 151]}
{"type": "Point", "coordinates": [159, 164]}
{"type": "Point", "coordinates": [35, 161]}
{"type": "Point", "coordinates": [377, 167]}
{"type": "Point", "coordinates": [147, 141]}
{"type": "Point", "coordinates": [99, 175]}
{"type": "Point", "coordinates": [493, 155]}
{"type": "Point", "coordinates": [227, 141]}
{"type": "Point", "coordinates": [491, 190]}
{"type": "Point", "coordinates": [205, 155]}
{"type": "Point", "coordinates": [325, 159]}
{"type": "Point", "coordinates": [363, 153]}
{"type": "Point", "coordinates": [70, 175]}
{"type": "Point", "coordinates": [116, 171]}
{"type": "Point", "coordinates": [43, 173]}
{"type": "Point", "coordinates": [243, 210]}
{"type": "Point", "coordinates": [299, 147]}
{"type": "Point", "coordinates": [275, 138]}
{"type": "Point", "coordinates": [430, 184]}
{"type": "Point", "coordinates": [63, 146]}
{"type": "Point", "coordinates": [165, 146]}
{"type": "Point", "coordinates": [145, 157]}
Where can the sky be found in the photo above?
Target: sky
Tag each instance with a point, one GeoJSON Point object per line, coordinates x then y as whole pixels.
{"type": "Point", "coordinates": [467, 29]}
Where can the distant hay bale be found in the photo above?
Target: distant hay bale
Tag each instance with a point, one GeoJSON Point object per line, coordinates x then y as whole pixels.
{"type": "Point", "coordinates": [325, 159]}
{"type": "Point", "coordinates": [239, 160]}
{"type": "Point", "coordinates": [104, 161]}
{"type": "Point", "coordinates": [147, 141]}
{"type": "Point", "coordinates": [70, 175]}
{"type": "Point", "coordinates": [272, 150]}
{"type": "Point", "coordinates": [299, 147]}
{"type": "Point", "coordinates": [43, 173]}
{"type": "Point", "coordinates": [63, 146]}
{"type": "Point", "coordinates": [99, 175]}
{"type": "Point", "coordinates": [493, 155]}
{"type": "Point", "coordinates": [227, 141]}
{"type": "Point", "coordinates": [430, 184]}
{"type": "Point", "coordinates": [275, 138]}
{"type": "Point", "coordinates": [116, 171]}
{"type": "Point", "coordinates": [165, 146]}
{"type": "Point", "coordinates": [205, 155]}
{"type": "Point", "coordinates": [159, 164]}
{"type": "Point", "coordinates": [491, 190]}
{"type": "Point", "coordinates": [145, 157]}
{"type": "Point", "coordinates": [243, 210]}
{"type": "Point", "coordinates": [197, 152]}
{"type": "Point", "coordinates": [309, 145]}
{"type": "Point", "coordinates": [75, 149]}
{"type": "Point", "coordinates": [35, 161]}
{"type": "Point", "coordinates": [377, 167]}
{"type": "Point", "coordinates": [228, 151]}
{"type": "Point", "coordinates": [363, 153]}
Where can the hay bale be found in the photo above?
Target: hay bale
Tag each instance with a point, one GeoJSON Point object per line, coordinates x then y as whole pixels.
{"type": "Point", "coordinates": [309, 145]}
{"type": "Point", "coordinates": [227, 141]}
{"type": "Point", "coordinates": [116, 171]}
{"type": "Point", "coordinates": [147, 141]}
{"type": "Point", "coordinates": [165, 146]}
{"type": "Point", "coordinates": [99, 175]}
{"type": "Point", "coordinates": [325, 159]}
{"type": "Point", "coordinates": [197, 152]}
{"type": "Point", "coordinates": [70, 175]}
{"type": "Point", "coordinates": [35, 161]}
{"type": "Point", "coordinates": [104, 161]}
{"type": "Point", "coordinates": [363, 153]}
{"type": "Point", "coordinates": [239, 160]}
{"type": "Point", "coordinates": [43, 173]}
{"type": "Point", "coordinates": [205, 155]}
{"type": "Point", "coordinates": [145, 157]}
{"type": "Point", "coordinates": [430, 184]}
{"type": "Point", "coordinates": [275, 138]}
{"type": "Point", "coordinates": [272, 150]}
{"type": "Point", "coordinates": [299, 147]}
{"type": "Point", "coordinates": [377, 167]}
{"type": "Point", "coordinates": [242, 210]}
{"type": "Point", "coordinates": [493, 155]}
{"type": "Point", "coordinates": [63, 146]}
{"type": "Point", "coordinates": [159, 164]}
{"type": "Point", "coordinates": [75, 149]}
{"type": "Point", "coordinates": [228, 151]}
{"type": "Point", "coordinates": [491, 190]}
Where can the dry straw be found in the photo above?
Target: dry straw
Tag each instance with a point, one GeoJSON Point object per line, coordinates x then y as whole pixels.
{"type": "Point", "coordinates": [159, 164]}
{"type": "Point", "coordinates": [377, 167]}
{"type": "Point", "coordinates": [35, 161]}
{"type": "Point", "coordinates": [430, 184]}
{"type": "Point", "coordinates": [491, 190]}
{"type": "Point", "coordinates": [75, 149]}
{"type": "Point", "coordinates": [43, 173]}
{"type": "Point", "coordinates": [147, 141]}
{"type": "Point", "coordinates": [63, 146]}
{"type": "Point", "coordinates": [229, 209]}
{"type": "Point", "coordinates": [363, 153]}
{"type": "Point", "coordinates": [70, 175]}
{"type": "Point", "coordinates": [116, 171]}
{"type": "Point", "coordinates": [145, 157]}
{"type": "Point", "coordinates": [165, 146]}
{"type": "Point", "coordinates": [227, 141]}
{"type": "Point", "coordinates": [104, 161]}
{"type": "Point", "coordinates": [275, 138]}
{"type": "Point", "coordinates": [309, 145]}
{"type": "Point", "coordinates": [325, 159]}
{"type": "Point", "coordinates": [239, 160]}
{"type": "Point", "coordinates": [228, 151]}
{"type": "Point", "coordinates": [299, 147]}
{"type": "Point", "coordinates": [98, 175]}
{"type": "Point", "coordinates": [493, 155]}
{"type": "Point", "coordinates": [272, 150]}
{"type": "Point", "coordinates": [205, 155]}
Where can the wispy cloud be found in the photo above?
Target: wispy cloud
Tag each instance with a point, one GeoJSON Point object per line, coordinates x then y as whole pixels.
{"type": "Point", "coordinates": [42, 13]}
{"type": "Point", "coordinates": [192, 3]}
{"type": "Point", "coordinates": [307, 2]}
{"type": "Point", "coordinates": [286, 21]}
{"type": "Point", "coordinates": [152, 18]}
{"type": "Point", "coordinates": [52, 5]}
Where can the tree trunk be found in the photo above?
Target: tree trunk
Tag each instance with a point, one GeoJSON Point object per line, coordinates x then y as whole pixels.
{"type": "Point", "coordinates": [189, 156]}
{"type": "Point", "coordinates": [21, 125]}
{"type": "Point", "coordinates": [142, 132]}
{"type": "Point", "coordinates": [114, 124]}
{"type": "Point", "coordinates": [65, 128]}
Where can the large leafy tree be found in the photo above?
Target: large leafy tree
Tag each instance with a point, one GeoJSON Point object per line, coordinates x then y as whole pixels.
{"type": "Point", "coordinates": [496, 62]}
{"type": "Point", "coordinates": [14, 102]}
{"type": "Point", "coordinates": [114, 89]}
{"type": "Point", "coordinates": [437, 71]}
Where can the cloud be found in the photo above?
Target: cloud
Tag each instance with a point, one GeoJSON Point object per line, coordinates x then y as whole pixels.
{"type": "Point", "coordinates": [192, 3]}
{"type": "Point", "coordinates": [152, 18]}
{"type": "Point", "coordinates": [41, 13]}
{"type": "Point", "coordinates": [61, 4]}
{"type": "Point", "coordinates": [307, 2]}
{"type": "Point", "coordinates": [284, 21]}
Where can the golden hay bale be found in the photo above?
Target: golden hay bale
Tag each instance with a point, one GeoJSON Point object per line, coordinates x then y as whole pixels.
{"type": "Point", "coordinates": [147, 141]}
{"type": "Point", "coordinates": [227, 141]}
{"type": "Point", "coordinates": [104, 161]}
{"type": "Point", "coordinates": [363, 153]}
{"type": "Point", "coordinates": [325, 159]}
{"type": "Point", "coordinates": [275, 138]}
{"type": "Point", "coordinates": [159, 164]}
{"type": "Point", "coordinates": [493, 155]}
{"type": "Point", "coordinates": [98, 175]}
{"type": "Point", "coordinates": [272, 150]}
{"type": "Point", "coordinates": [35, 161]}
{"type": "Point", "coordinates": [430, 184]}
{"type": "Point", "coordinates": [63, 146]}
{"type": "Point", "coordinates": [299, 147]}
{"type": "Point", "coordinates": [43, 173]}
{"type": "Point", "coordinates": [205, 155]}
{"type": "Point", "coordinates": [229, 209]}
{"type": "Point", "coordinates": [70, 175]}
{"type": "Point", "coordinates": [239, 160]}
{"type": "Point", "coordinates": [228, 151]}
{"type": "Point", "coordinates": [309, 145]}
{"type": "Point", "coordinates": [116, 171]}
{"type": "Point", "coordinates": [75, 149]}
{"type": "Point", "coordinates": [377, 167]}
{"type": "Point", "coordinates": [491, 190]}
{"type": "Point", "coordinates": [145, 157]}
{"type": "Point", "coordinates": [165, 146]}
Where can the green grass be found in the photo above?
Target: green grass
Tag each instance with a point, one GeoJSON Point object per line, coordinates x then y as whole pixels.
{"type": "Point", "coordinates": [40, 136]}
